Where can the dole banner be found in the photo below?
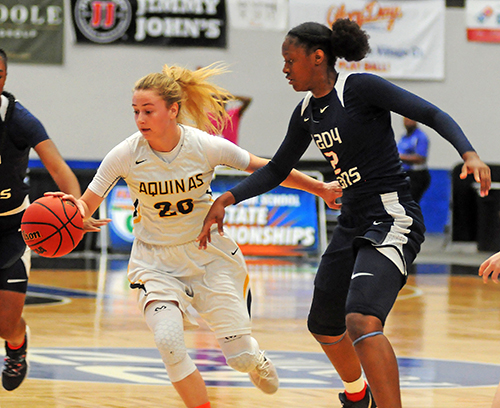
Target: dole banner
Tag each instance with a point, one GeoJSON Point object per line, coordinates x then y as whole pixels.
{"type": "Point", "coordinates": [184, 23]}
{"type": "Point", "coordinates": [406, 37]}
{"type": "Point", "coordinates": [483, 20]}
{"type": "Point", "coordinates": [31, 31]}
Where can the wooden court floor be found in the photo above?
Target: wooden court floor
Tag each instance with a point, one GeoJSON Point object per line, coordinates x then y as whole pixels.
{"type": "Point", "coordinates": [445, 328]}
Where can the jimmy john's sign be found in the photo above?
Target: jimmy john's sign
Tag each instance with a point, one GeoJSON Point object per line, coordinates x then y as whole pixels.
{"type": "Point", "coordinates": [200, 23]}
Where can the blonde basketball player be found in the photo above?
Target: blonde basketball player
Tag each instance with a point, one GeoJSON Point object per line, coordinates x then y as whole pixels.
{"type": "Point", "coordinates": [168, 167]}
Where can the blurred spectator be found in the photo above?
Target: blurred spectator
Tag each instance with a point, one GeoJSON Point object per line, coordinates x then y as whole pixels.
{"type": "Point", "coordinates": [235, 110]}
{"type": "Point", "coordinates": [413, 151]}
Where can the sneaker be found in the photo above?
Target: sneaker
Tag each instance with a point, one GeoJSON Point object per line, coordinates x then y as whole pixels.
{"type": "Point", "coordinates": [16, 366]}
{"type": "Point", "coordinates": [264, 376]}
{"type": "Point", "coordinates": [366, 402]}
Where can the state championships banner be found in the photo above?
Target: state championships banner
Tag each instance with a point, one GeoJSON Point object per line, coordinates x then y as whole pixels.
{"type": "Point", "coordinates": [184, 23]}
{"type": "Point", "coordinates": [282, 222]}
{"type": "Point", "coordinates": [406, 37]}
{"type": "Point", "coordinates": [483, 20]}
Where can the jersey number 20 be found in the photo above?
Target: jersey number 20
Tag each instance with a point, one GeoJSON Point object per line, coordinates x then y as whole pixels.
{"type": "Point", "coordinates": [167, 209]}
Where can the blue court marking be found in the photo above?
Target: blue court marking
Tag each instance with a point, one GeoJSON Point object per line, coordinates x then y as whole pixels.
{"type": "Point", "coordinates": [295, 369]}
{"type": "Point", "coordinates": [60, 292]}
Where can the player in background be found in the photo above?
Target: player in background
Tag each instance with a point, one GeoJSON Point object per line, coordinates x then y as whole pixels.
{"type": "Point", "coordinates": [168, 166]}
{"type": "Point", "coordinates": [20, 131]}
{"type": "Point", "coordinates": [413, 150]}
{"type": "Point", "coordinates": [235, 109]}
{"type": "Point", "coordinates": [380, 228]}
{"type": "Point", "coordinates": [229, 129]}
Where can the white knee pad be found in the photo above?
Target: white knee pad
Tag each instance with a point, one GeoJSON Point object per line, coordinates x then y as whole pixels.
{"type": "Point", "coordinates": [241, 352]}
{"type": "Point", "coordinates": [180, 370]}
{"type": "Point", "coordinates": [165, 321]}
{"type": "Point", "coordinates": [170, 342]}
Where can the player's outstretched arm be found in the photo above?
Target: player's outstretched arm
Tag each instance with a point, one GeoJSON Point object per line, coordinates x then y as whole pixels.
{"type": "Point", "coordinates": [490, 267]}
{"type": "Point", "coordinates": [329, 192]}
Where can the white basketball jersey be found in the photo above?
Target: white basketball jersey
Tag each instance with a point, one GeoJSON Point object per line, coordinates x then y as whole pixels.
{"type": "Point", "coordinates": [170, 199]}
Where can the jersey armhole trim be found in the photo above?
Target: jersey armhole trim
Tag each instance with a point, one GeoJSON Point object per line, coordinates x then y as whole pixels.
{"type": "Point", "coordinates": [107, 191]}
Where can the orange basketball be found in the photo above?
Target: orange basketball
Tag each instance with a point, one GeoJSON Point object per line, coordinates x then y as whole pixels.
{"type": "Point", "coordinates": [52, 227]}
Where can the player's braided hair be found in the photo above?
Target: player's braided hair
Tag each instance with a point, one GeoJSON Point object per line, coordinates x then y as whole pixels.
{"type": "Point", "coordinates": [198, 98]}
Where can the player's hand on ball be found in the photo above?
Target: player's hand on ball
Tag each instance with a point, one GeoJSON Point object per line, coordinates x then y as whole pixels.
{"type": "Point", "coordinates": [69, 197]}
{"type": "Point", "coordinates": [89, 224]}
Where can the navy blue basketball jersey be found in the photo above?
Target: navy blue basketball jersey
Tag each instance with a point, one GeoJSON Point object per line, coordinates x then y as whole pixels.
{"type": "Point", "coordinates": [20, 132]}
{"type": "Point", "coordinates": [352, 128]}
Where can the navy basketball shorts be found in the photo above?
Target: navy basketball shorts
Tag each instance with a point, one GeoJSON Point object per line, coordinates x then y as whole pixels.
{"type": "Point", "coordinates": [365, 264]}
{"type": "Point", "coordinates": [14, 255]}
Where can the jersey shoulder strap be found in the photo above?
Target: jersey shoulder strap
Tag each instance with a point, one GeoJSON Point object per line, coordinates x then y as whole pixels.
{"type": "Point", "coordinates": [6, 109]}
{"type": "Point", "coordinates": [7, 106]}
{"type": "Point", "coordinates": [305, 102]}
{"type": "Point", "coordinates": [340, 85]}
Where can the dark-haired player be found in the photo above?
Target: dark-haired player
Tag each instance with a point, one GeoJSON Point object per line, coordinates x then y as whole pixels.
{"type": "Point", "coordinates": [20, 131]}
{"type": "Point", "coordinates": [380, 228]}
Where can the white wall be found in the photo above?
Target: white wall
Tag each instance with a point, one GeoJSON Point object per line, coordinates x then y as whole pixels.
{"type": "Point", "coordinates": [469, 93]}
{"type": "Point", "coordinates": [85, 103]}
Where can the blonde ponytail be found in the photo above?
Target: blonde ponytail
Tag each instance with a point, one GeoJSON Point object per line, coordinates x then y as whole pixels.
{"type": "Point", "coordinates": [198, 98]}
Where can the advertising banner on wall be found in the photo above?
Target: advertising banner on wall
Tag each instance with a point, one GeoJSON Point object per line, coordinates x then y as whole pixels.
{"type": "Point", "coordinates": [270, 15]}
{"type": "Point", "coordinates": [283, 222]}
{"type": "Point", "coordinates": [406, 37]}
{"type": "Point", "coordinates": [31, 31]}
{"type": "Point", "coordinates": [184, 23]}
{"type": "Point", "coordinates": [483, 20]}
{"type": "Point", "coordinates": [120, 209]}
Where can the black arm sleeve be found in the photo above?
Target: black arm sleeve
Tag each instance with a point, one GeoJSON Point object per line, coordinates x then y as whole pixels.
{"type": "Point", "coordinates": [292, 148]}
{"type": "Point", "coordinates": [384, 94]}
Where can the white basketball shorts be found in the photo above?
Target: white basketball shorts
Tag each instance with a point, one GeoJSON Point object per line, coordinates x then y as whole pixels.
{"type": "Point", "coordinates": [214, 282]}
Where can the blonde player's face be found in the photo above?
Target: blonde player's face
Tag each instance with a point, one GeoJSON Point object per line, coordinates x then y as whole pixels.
{"type": "Point", "coordinates": [153, 118]}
